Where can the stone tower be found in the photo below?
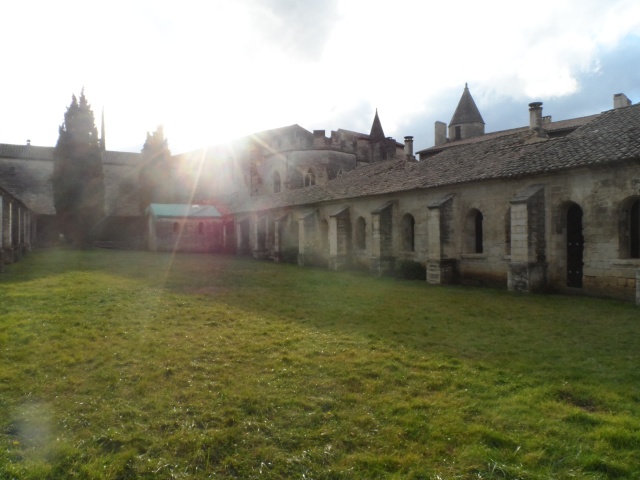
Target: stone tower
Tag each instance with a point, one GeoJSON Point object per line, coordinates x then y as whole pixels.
{"type": "Point", "coordinates": [466, 121]}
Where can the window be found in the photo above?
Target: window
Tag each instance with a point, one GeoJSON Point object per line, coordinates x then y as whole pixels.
{"type": "Point", "coordinates": [175, 227]}
{"type": "Point", "coordinates": [479, 232]}
{"type": "Point", "coordinates": [408, 232]}
{"type": "Point", "coordinates": [201, 228]}
{"type": "Point", "coordinates": [361, 234]}
{"type": "Point", "coordinates": [458, 132]}
{"type": "Point", "coordinates": [634, 230]}
{"type": "Point", "coordinates": [629, 228]}
{"type": "Point", "coordinates": [276, 182]}
{"type": "Point", "coordinates": [309, 178]}
{"type": "Point", "coordinates": [474, 233]}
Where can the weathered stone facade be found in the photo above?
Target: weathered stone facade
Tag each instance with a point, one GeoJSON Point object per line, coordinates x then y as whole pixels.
{"type": "Point", "coordinates": [17, 229]}
{"type": "Point", "coordinates": [552, 206]}
{"type": "Point", "coordinates": [548, 206]}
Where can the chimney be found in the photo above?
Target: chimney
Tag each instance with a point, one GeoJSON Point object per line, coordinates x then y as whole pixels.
{"type": "Point", "coordinates": [441, 134]}
{"type": "Point", "coordinates": [319, 140]}
{"type": "Point", "coordinates": [535, 115]}
{"type": "Point", "coordinates": [620, 100]}
{"type": "Point", "coordinates": [408, 146]}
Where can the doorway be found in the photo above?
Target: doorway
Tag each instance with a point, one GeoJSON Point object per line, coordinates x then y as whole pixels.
{"type": "Point", "coordinates": [575, 246]}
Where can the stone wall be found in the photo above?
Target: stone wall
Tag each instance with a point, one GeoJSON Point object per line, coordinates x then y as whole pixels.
{"type": "Point", "coordinates": [524, 231]}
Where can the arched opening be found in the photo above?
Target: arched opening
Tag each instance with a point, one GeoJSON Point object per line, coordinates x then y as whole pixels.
{"type": "Point", "coordinates": [295, 180]}
{"type": "Point", "coordinates": [201, 228]}
{"type": "Point", "coordinates": [309, 178]}
{"type": "Point", "coordinates": [277, 186]}
{"type": "Point", "coordinates": [324, 238]}
{"type": "Point", "coordinates": [634, 230]}
{"type": "Point", "coordinates": [360, 234]}
{"type": "Point", "coordinates": [575, 246]}
{"type": "Point", "coordinates": [474, 232]}
{"type": "Point", "coordinates": [507, 232]}
{"type": "Point", "coordinates": [176, 226]}
{"type": "Point", "coordinates": [408, 232]}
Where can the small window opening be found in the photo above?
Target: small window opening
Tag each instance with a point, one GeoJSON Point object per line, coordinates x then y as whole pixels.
{"type": "Point", "coordinates": [408, 224]}
{"type": "Point", "coordinates": [309, 178]}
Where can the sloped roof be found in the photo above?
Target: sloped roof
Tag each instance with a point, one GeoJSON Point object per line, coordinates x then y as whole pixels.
{"type": "Point", "coordinates": [174, 210]}
{"type": "Point", "coordinates": [466, 111]}
{"type": "Point", "coordinates": [551, 127]}
{"type": "Point", "coordinates": [611, 137]}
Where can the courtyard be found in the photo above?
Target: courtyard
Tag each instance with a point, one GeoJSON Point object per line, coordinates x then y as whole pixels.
{"type": "Point", "coordinates": [141, 365]}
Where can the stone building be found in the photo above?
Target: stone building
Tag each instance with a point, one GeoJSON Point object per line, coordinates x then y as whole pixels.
{"type": "Point", "coordinates": [184, 228]}
{"type": "Point", "coordinates": [17, 229]}
{"type": "Point", "coordinates": [26, 170]}
{"type": "Point", "coordinates": [549, 206]}
{"type": "Point", "coordinates": [553, 205]}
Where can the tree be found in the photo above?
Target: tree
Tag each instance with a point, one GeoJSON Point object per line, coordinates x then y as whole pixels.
{"type": "Point", "coordinates": [78, 182]}
{"type": "Point", "coordinates": [157, 173]}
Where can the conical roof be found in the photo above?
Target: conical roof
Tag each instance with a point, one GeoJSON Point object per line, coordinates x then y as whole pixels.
{"type": "Point", "coordinates": [377, 133]}
{"type": "Point", "coordinates": [467, 111]}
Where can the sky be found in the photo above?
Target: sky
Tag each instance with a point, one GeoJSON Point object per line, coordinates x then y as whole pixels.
{"type": "Point", "coordinates": [211, 71]}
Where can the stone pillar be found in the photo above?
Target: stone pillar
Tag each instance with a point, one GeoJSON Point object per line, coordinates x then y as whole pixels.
{"type": "Point", "coordinates": [382, 260]}
{"type": "Point", "coordinates": [27, 231]}
{"type": "Point", "coordinates": [17, 248]}
{"type": "Point", "coordinates": [238, 238]}
{"type": "Point", "coordinates": [7, 230]}
{"type": "Point", "coordinates": [440, 269]}
{"type": "Point", "coordinates": [277, 239]}
{"type": "Point", "coordinates": [301, 240]}
{"type": "Point", "coordinates": [434, 274]}
{"type": "Point", "coordinates": [340, 239]}
{"type": "Point", "coordinates": [527, 265]}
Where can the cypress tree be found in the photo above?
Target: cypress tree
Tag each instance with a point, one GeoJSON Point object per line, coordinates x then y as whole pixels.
{"type": "Point", "coordinates": [78, 181]}
{"type": "Point", "coordinates": [157, 175]}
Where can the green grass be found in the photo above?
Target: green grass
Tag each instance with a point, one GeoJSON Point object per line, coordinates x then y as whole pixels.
{"type": "Point", "coordinates": [136, 365]}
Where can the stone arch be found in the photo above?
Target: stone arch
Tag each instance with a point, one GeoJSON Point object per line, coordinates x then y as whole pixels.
{"type": "Point", "coordinates": [277, 182]}
{"type": "Point", "coordinates": [310, 178]}
{"type": "Point", "coordinates": [574, 241]}
{"type": "Point", "coordinates": [474, 242]}
{"type": "Point", "coordinates": [408, 232]}
{"type": "Point", "coordinates": [629, 227]}
{"type": "Point", "coordinates": [361, 234]}
{"type": "Point", "coordinates": [507, 232]}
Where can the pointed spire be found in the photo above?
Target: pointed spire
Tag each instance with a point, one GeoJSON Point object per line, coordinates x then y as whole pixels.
{"type": "Point", "coordinates": [377, 133]}
{"type": "Point", "coordinates": [467, 111]}
{"type": "Point", "coordinates": [103, 144]}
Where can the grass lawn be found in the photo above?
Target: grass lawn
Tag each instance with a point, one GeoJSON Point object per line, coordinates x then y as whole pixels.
{"type": "Point", "coordinates": [124, 365]}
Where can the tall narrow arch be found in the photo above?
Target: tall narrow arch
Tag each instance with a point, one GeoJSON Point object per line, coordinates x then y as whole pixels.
{"type": "Point", "coordinates": [475, 231]}
{"type": "Point", "coordinates": [634, 229]}
{"type": "Point", "coordinates": [408, 232]}
{"type": "Point", "coordinates": [575, 245]}
{"type": "Point", "coordinates": [630, 228]}
{"type": "Point", "coordinates": [360, 234]}
{"type": "Point", "coordinates": [309, 178]}
{"type": "Point", "coordinates": [277, 184]}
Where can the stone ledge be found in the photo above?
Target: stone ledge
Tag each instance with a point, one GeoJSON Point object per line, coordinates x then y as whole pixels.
{"type": "Point", "coordinates": [474, 256]}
